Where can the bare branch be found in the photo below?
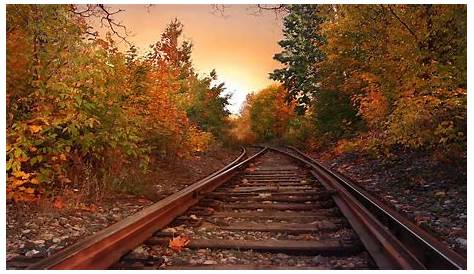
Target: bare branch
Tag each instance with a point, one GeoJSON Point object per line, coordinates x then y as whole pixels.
{"type": "Point", "coordinates": [85, 13]}
{"type": "Point", "coordinates": [112, 24]}
{"type": "Point", "coordinates": [106, 19]}
{"type": "Point", "coordinates": [148, 7]}
{"type": "Point", "coordinates": [219, 9]}
{"type": "Point", "coordinates": [279, 9]}
{"type": "Point", "coordinates": [403, 23]}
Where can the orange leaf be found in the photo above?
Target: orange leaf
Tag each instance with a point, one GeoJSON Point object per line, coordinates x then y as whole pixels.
{"type": "Point", "coordinates": [92, 208]}
{"type": "Point", "coordinates": [177, 243]}
{"type": "Point", "coordinates": [21, 174]}
{"type": "Point", "coordinates": [34, 128]}
{"type": "Point", "coordinates": [58, 203]}
{"type": "Point", "coordinates": [30, 190]}
{"type": "Point", "coordinates": [34, 181]}
{"type": "Point", "coordinates": [18, 182]}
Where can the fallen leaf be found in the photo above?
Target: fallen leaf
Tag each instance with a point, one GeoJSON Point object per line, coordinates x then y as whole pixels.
{"type": "Point", "coordinates": [65, 180]}
{"type": "Point", "coordinates": [91, 208]}
{"type": "Point", "coordinates": [170, 230]}
{"type": "Point", "coordinates": [306, 236]}
{"type": "Point", "coordinates": [58, 203]}
{"type": "Point", "coordinates": [177, 243]}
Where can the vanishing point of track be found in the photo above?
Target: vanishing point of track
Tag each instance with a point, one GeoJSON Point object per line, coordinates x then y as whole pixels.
{"type": "Point", "coordinates": [278, 201]}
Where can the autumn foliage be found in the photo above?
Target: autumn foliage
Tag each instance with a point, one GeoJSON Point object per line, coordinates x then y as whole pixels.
{"type": "Point", "coordinates": [79, 110]}
{"type": "Point", "coordinates": [377, 78]}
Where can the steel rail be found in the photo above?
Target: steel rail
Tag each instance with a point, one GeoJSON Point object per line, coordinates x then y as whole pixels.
{"type": "Point", "coordinates": [104, 248]}
{"type": "Point", "coordinates": [384, 248]}
{"type": "Point", "coordinates": [430, 251]}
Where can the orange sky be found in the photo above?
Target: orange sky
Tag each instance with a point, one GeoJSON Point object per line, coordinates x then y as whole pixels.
{"type": "Point", "coordinates": [239, 45]}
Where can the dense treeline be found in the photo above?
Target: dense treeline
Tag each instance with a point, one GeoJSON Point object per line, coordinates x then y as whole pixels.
{"type": "Point", "coordinates": [267, 116]}
{"type": "Point", "coordinates": [376, 78]}
{"type": "Point", "coordinates": [78, 109]}
{"type": "Point", "coordinates": [380, 78]}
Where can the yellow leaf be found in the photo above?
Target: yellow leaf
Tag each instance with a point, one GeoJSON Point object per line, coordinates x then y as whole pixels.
{"type": "Point", "coordinates": [17, 182]}
{"type": "Point", "coordinates": [30, 190]}
{"type": "Point", "coordinates": [34, 128]}
{"type": "Point", "coordinates": [92, 208]}
{"type": "Point", "coordinates": [35, 181]}
{"type": "Point", "coordinates": [21, 174]}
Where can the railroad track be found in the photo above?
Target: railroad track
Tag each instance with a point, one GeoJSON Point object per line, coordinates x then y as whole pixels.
{"type": "Point", "coordinates": [277, 209]}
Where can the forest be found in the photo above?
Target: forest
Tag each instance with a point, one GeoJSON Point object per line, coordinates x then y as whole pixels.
{"type": "Point", "coordinates": [79, 109]}
{"type": "Point", "coordinates": [380, 80]}
{"type": "Point", "coordinates": [377, 78]}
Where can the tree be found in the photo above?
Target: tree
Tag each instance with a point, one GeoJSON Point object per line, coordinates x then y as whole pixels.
{"type": "Point", "coordinates": [83, 114]}
{"type": "Point", "coordinates": [171, 57]}
{"type": "Point", "coordinates": [68, 115]}
{"type": "Point", "coordinates": [392, 72]}
{"type": "Point", "coordinates": [402, 69]}
{"type": "Point", "coordinates": [208, 105]}
{"type": "Point", "coordinates": [184, 109]}
{"type": "Point", "coordinates": [301, 54]}
{"type": "Point", "coordinates": [269, 114]}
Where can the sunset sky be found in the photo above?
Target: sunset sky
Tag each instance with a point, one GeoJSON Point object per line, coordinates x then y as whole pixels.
{"type": "Point", "coordinates": [239, 43]}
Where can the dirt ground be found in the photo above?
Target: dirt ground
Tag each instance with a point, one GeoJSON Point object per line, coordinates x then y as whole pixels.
{"type": "Point", "coordinates": [38, 230]}
{"type": "Point", "coordinates": [430, 193]}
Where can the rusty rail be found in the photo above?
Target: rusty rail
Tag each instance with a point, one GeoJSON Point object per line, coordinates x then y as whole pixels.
{"type": "Point", "coordinates": [101, 250]}
{"type": "Point", "coordinates": [428, 251]}
{"type": "Point", "coordinates": [401, 247]}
